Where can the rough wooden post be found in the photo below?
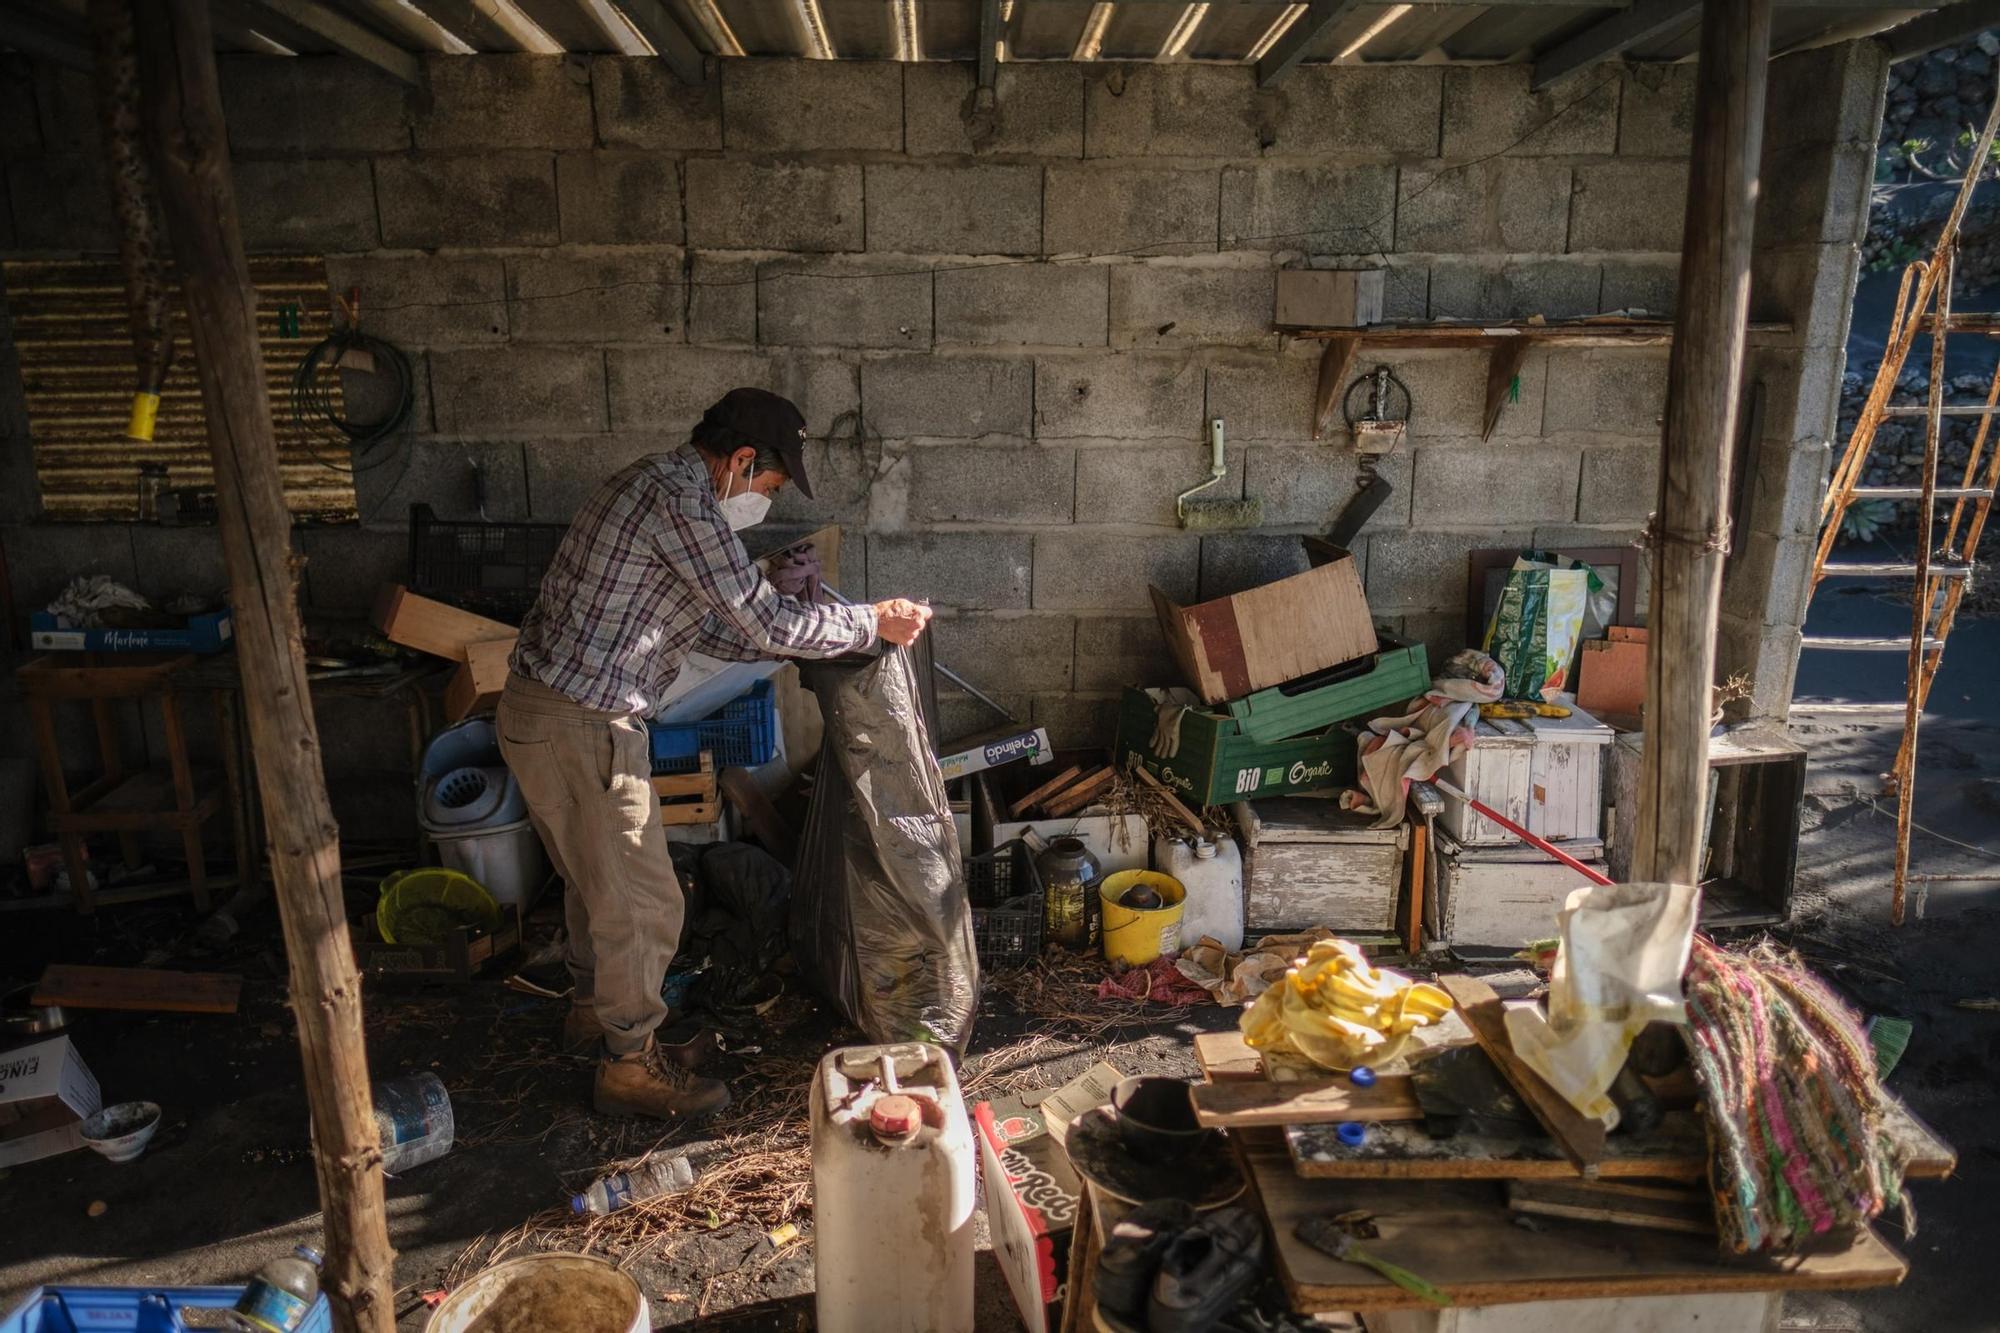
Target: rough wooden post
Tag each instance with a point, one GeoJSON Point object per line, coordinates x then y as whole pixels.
{"type": "Point", "coordinates": [191, 154]}
{"type": "Point", "coordinates": [1703, 382]}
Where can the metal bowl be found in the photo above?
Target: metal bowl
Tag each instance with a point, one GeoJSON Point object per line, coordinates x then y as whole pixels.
{"type": "Point", "coordinates": [21, 1018]}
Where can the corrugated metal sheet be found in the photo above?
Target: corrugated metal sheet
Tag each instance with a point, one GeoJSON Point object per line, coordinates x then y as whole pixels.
{"type": "Point", "coordinates": [76, 362]}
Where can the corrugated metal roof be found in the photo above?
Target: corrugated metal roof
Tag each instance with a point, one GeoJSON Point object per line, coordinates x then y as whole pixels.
{"type": "Point", "coordinates": [76, 363]}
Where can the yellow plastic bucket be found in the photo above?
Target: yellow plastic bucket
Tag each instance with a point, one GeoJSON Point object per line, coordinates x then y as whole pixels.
{"type": "Point", "coordinates": [1137, 937]}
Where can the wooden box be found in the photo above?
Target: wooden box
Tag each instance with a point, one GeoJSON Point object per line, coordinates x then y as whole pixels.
{"type": "Point", "coordinates": [1307, 862]}
{"type": "Point", "coordinates": [1545, 773]}
{"type": "Point", "coordinates": [1502, 897]}
{"type": "Point", "coordinates": [1757, 784]}
{"type": "Point", "coordinates": [1274, 633]}
{"type": "Point", "coordinates": [463, 954]}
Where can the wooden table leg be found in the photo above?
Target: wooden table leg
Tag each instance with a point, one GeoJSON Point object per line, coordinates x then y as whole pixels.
{"type": "Point", "coordinates": [1413, 918]}
{"type": "Point", "coordinates": [1080, 1300]}
{"type": "Point", "coordinates": [184, 797]}
{"type": "Point", "coordinates": [232, 780]}
{"type": "Point", "coordinates": [48, 754]}
{"type": "Point", "coordinates": [112, 756]}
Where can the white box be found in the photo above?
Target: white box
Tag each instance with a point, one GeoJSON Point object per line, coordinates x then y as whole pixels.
{"type": "Point", "coordinates": [1307, 862]}
{"type": "Point", "coordinates": [1503, 897]}
{"type": "Point", "coordinates": [1117, 841]}
{"type": "Point", "coordinates": [1546, 773]}
{"type": "Point", "coordinates": [46, 1092]}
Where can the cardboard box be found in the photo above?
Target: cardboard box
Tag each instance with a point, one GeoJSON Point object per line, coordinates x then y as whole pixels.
{"type": "Point", "coordinates": [209, 633]}
{"type": "Point", "coordinates": [1272, 634]}
{"type": "Point", "coordinates": [1328, 298]}
{"type": "Point", "coordinates": [1612, 679]}
{"type": "Point", "coordinates": [1031, 1189]}
{"type": "Point", "coordinates": [46, 1092]}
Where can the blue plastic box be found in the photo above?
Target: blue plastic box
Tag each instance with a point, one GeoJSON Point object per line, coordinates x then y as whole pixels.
{"type": "Point", "coordinates": [209, 633]}
{"type": "Point", "coordinates": [742, 734]}
{"type": "Point", "coordinates": [131, 1310]}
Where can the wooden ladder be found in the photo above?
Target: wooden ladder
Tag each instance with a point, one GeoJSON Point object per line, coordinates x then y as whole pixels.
{"type": "Point", "coordinates": [1941, 571]}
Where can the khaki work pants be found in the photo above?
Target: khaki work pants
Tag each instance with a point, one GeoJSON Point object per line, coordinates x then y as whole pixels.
{"type": "Point", "coordinates": [587, 777]}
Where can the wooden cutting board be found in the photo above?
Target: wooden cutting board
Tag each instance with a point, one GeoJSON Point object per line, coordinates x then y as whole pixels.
{"type": "Point", "coordinates": [1245, 1103]}
{"type": "Point", "coordinates": [144, 988]}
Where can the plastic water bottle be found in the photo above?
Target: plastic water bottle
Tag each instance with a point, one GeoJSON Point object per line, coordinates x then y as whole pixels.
{"type": "Point", "coordinates": [650, 1179]}
{"type": "Point", "coordinates": [280, 1296]}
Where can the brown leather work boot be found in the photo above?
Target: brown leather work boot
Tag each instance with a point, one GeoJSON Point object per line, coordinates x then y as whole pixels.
{"type": "Point", "coordinates": [580, 1032]}
{"type": "Point", "coordinates": [647, 1083]}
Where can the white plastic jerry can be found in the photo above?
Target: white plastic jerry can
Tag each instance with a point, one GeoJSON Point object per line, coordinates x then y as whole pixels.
{"type": "Point", "coordinates": [892, 1192]}
{"type": "Point", "coordinates": [1211, 870]}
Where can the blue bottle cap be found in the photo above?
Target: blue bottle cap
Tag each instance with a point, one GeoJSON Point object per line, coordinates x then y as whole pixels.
{"type": "Point", "coordinates": [1361, 1076]}
{"type": "Point", "coordinates": [310, 1255]}
{"type": "Point", "coordinates": [576, 1202]}
{"type": "Point", "coordinates": [1352, 1133]}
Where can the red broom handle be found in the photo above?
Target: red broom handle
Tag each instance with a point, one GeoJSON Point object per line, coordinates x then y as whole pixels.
{"type": "Point", "coordinates": [1579, 867]}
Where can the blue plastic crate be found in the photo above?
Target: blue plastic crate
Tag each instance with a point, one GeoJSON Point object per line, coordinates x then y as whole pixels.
{"type": "Point", "coordinates": [131, 1309]}
{"type": "Point", "coordinates": [742, 734]}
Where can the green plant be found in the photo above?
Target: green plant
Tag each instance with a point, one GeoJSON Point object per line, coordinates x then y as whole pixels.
{"type": "Point", "coordinates": [1865, 521]}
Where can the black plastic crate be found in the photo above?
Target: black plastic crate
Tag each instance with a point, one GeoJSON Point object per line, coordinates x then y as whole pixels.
{"type": "Point", "coordinates": [492, 568]}
{"type": "Point", "coordinates": [1007, 904]}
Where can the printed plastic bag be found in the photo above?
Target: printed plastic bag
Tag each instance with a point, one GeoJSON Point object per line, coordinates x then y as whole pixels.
{"type": "Point", "coordinates": [1539, 621]}
{"type": "Point", "coordinates": [880, 921]}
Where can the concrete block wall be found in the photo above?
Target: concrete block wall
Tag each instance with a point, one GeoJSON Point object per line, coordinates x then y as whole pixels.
{"type": "Point", "coordinates": [1006, 354]}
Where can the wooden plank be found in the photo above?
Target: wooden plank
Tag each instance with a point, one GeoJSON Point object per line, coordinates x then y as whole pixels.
{"type": "Point", "coordinates": [1225, 1057]}
{"type": "Point", "coordinates": [56, 678]}
{"type": "Point", "coordinates": [1460, 1236]}
{"type": "Point", "coordinates": [1296, 40]}
{"type": "Point", "coordinates": [476, 684]}
{"type": "Point", "coordinates": [1241, 1104]}
{"type": "Point", "coordinates": [1160, 788]}
{"type": "Point", "coordinates": [434, 627]}
{"type": "Point", "coordinates": [352, 38]}
{"type": "Point", "coordinates": [1503, 362]}
{"type": "Point", "coordinates": [1413, 910]}
{"type": "Point", "coordinates": [1690, 1209]}
{"type": "Point", "coordinates": [1047, 789]}
{"type": "Point", "coordinates": [1081, 794]}
{"type": "Point", "coordinates": [142, 988]}
{"type": "Point", "coordinates": [1580, 1137]}
{"type": "Point", "coordinates": [684, 814]}
{"type": "Point", "coordinates": [700, 783]}
{"type": "Point", "coordinates": [1335, 362]}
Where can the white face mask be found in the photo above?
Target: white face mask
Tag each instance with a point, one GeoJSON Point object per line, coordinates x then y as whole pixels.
{"type": "Point", "coordinates": [746, 510]}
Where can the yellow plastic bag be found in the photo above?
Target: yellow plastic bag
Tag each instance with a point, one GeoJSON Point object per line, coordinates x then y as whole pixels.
{"type": "Point", "coordinates": [1339, 1010]}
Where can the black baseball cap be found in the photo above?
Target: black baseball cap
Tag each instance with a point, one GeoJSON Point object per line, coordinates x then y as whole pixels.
{"type": "Point", "coordinates": [760, 418]}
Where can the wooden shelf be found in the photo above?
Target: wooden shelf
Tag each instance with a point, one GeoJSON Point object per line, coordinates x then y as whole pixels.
{"type": "Point", "coordinates": [1506, 342]}
{"type": "Point", "coordinates": [145, 799]}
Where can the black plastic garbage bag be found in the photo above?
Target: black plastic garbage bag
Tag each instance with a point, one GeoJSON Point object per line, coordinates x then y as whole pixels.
{"type": "Point", "coordinates": [738, 925]}
{"type": "Point", "coordinates": [880, 923]}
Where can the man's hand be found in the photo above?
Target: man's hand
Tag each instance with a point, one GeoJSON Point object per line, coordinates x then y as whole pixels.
{"type": "Point", "coordinates": [900, 621]}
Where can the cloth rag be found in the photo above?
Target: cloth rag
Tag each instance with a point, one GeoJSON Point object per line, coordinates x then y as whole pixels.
{"type": "Point", "coordinates": [88, 596]}
{"type": "Point", "coordinates": [1237, 978]}
{"type": "Point", "coordinates": [1396, 751]}
{"type": "Point", "coordinates": [1159, 981]}
{"type": "Point", "coordinates": [796, 573]}
{"type": "Point", "coordinates": [1623, 950]}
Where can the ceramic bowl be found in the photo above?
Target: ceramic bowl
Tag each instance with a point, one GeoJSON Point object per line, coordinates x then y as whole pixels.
{"type": "Point", "coordinates": [122, 1132]}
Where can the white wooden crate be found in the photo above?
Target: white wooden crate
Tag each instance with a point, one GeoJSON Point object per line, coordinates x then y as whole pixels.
{"type": "Point", "coordinates": [1309, 863]}
{"type": "Point", "coordinates": [1503, 897]}
{"type": "Point", "coordinates": [1546, 773]}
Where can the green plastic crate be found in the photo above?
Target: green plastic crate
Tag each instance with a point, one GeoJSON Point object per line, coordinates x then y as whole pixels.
{"type": "Point", "coordinates": [1363, 689]}
{"type": "Point", "coordinates": [1217, 763]}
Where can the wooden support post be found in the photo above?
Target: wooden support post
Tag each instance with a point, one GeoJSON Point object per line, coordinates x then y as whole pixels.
{"type": "Point", "coordinates": [1334, 363]}
{"type": "Point", "coordinates": [1703, 378]}
{"type": "Point", "coordinates": [191, 155]}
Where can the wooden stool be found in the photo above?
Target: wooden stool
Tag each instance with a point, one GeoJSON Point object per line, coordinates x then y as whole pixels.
{"type": "Point", "coordinates": [123, 801]}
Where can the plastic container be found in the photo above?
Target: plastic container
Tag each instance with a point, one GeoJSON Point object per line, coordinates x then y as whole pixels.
{"type": "Point", "coordinates": [424, 906]}
{"type": "Point", "coordinates": [66, 1309]}
{"type": "Point", "coordinates": [493, 568]}
{"type": "Point", "coordinates": [893, 1192]}
{"type": "Point", "coordinates": [413, 1115]}
{"type": "Point", "coordinates": [1069, 875]}
{"type": "Point", "coordinates": [501, 849]}
{"type": "Point", "coordinates": [1007, 905]}
{"type": "Point", "coordinates": [740, 734]}
{"type": "Point", "coordinates": [550, 1293]}
{"type": "Point", "coordinates": [1212, 873]}
{"type": "Point", "coordinates": [1137, 937]}
{"type": "Point", "coordinates": [280, 1296]}
{"type": "Point", "coordinates": [649, 1180]}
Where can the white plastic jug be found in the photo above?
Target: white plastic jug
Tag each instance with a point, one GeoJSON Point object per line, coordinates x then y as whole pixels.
{"type": "Point", "coordinates": [892, 1192]}
{"type": "Point", "coordinates": [1212, 874]}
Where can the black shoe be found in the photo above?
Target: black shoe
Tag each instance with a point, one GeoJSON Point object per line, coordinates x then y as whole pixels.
{"type": "Point", "coordinates": [1131, 1255]}
{"type": "Point", "coordinates": [1205, 1271]}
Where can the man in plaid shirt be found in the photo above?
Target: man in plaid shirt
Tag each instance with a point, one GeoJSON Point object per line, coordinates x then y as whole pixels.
{"type": "Point", "coordinates": [650, 571]}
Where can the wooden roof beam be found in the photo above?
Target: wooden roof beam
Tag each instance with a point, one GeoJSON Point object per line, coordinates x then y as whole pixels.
{"type": "Point", "coordinates": [347, 35]}
{"type": "Point", "coordinates": [667, 37]}
{"type": "Point", "coordinates": [1297, 39]}
{"type": "Point", "coordinates": [1610, 37]}
{"type": "Point", "coordinates": [33, 36]}
{"type": "Point", "coordinates": [615, 28]}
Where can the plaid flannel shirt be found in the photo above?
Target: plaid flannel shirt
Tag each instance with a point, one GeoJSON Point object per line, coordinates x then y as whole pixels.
{"type": "Point", "coordinates": [650, 572]}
